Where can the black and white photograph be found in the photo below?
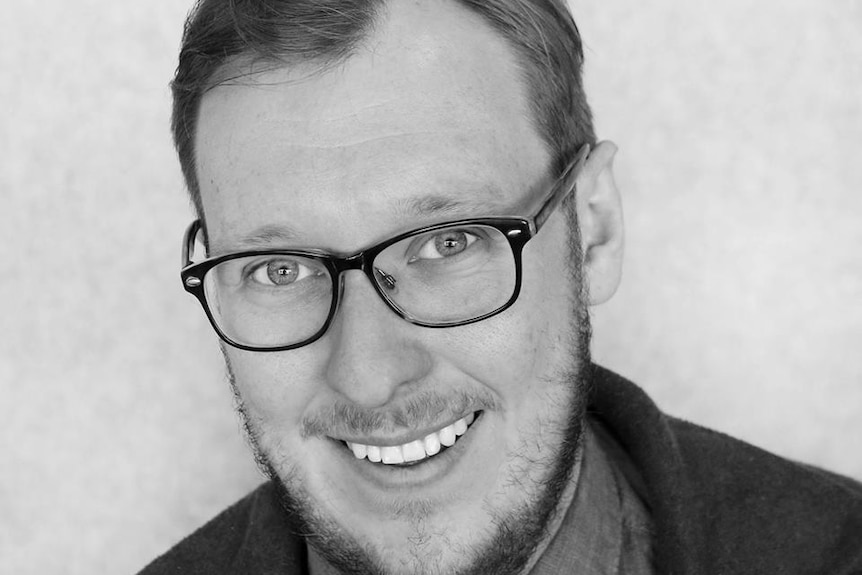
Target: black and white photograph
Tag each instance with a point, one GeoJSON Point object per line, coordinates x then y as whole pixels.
{"type": "Point", "coordinates": [431, 287]}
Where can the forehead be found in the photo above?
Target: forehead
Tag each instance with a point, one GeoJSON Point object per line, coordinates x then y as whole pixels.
{"type": "Point", "coordinates": [430, 110]}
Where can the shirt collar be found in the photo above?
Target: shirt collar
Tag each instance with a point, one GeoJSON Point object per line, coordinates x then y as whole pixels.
{"type": "Point", "coordinates": [589, 539]}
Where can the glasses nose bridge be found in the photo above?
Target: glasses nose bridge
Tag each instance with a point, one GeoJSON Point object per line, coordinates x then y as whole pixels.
{"type": "Point", "coordinates": [364, 262]}
{"type": "Point", "coordinates": [361, 261]}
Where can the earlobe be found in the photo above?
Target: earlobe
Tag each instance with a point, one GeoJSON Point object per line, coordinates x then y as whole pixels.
{"type": "Point", "coordinates": [600, 220]}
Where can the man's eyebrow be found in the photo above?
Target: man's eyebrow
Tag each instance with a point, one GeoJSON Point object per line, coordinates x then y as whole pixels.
{"type": "Point", "coordinates": [262, 237]}
{"type": "Point", "coordinates": [467, 205]}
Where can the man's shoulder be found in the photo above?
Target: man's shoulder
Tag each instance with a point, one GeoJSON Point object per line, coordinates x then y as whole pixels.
{"type": "Point", "coordinates": [721, 502]}
{"type": "Point", "coordinates": [740, 468]}
{"type": "Point", "coordinates": [252, 535]}
{"type": "Point", "coordinates": [760, 503]}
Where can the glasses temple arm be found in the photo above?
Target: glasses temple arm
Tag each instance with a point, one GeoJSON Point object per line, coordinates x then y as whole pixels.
{"type": "Point", "coordinates": [189, 242]}
{"type": "Point", "coordinates": [563, 187]}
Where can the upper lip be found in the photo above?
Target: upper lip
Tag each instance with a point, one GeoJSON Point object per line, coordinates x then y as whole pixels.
{"type": "Point", "coordinates": [402, 438]}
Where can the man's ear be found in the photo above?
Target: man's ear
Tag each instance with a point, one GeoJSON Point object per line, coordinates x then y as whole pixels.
{"type": "Point", "coordinates": [600, 219]}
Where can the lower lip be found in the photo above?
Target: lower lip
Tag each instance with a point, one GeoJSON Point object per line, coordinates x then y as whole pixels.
{"type": "Point", "coordinates": [428, 472]}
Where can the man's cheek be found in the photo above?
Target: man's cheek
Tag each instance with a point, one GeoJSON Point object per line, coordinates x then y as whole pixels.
{"type": "Point", "coordinates": [269, 384]}
{"type": "Point", "coordinates": [499, 351]}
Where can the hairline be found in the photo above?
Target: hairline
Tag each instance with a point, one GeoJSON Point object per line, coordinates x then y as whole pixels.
{"type": "Point", "coordinates": [533, 83]}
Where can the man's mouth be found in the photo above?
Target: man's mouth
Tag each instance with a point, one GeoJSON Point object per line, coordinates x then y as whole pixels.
{"type": "Point", "coordinates": [415, 451]}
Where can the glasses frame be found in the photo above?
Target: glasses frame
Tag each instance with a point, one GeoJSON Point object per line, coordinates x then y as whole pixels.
{"type": "Point", "coordinates": [518, 231]}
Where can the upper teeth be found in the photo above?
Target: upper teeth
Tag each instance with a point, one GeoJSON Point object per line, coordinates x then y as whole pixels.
{"type": "Point", "coordinates": [415, 450]}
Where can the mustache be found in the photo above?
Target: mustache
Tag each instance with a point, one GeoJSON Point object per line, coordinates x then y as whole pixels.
{"type": "Point", "coordinates": [423, 409]}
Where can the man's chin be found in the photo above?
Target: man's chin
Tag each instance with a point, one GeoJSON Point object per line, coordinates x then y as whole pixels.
{"type": "Point", "coordinates": [423, 542]}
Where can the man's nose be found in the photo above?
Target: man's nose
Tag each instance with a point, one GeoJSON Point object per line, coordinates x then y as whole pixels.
{"type": "Point", "coordinates": [372, 355]}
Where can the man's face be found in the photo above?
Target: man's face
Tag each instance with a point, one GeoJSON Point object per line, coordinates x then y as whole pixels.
{"type": "Point", "coordinates": [427, 122]}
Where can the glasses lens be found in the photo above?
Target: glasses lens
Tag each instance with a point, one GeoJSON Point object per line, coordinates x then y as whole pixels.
{"type": "Point", "coordinates": [269, 300]}
{"type": "Point", "coordinates": [448, 275]}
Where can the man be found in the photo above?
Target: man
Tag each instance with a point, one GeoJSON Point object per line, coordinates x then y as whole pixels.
{"type": "Point", "coordinates": [406, 215]}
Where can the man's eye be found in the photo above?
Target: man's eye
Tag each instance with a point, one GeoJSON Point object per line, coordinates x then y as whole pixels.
{"type": "Point", "coordinates": [445, 244]}
{"type": "Point", "coordinates": [280, 272]}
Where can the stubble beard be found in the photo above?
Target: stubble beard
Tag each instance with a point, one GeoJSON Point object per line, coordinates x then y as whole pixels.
{"type": "Point", "coordinates": [517, 532]}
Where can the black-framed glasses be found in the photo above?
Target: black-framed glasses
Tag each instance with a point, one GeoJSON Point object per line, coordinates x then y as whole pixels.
{"type": "Point", "coordinates": [442, 275]}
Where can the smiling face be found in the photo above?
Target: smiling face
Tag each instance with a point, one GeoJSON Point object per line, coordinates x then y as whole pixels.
{"type": "Point", "coordinates": [410, 448]}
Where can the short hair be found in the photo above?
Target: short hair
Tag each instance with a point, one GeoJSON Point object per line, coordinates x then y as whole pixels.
{"type": "Point", "coordinates": [542, 33]}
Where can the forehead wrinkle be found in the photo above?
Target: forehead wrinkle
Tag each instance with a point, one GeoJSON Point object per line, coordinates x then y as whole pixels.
{"type": "Point", "coordinates": [336, 142]}
{"type": "Point", "coordinates": [320, 124]}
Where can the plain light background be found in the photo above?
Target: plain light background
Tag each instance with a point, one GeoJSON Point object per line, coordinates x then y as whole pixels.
{"type": "Point", "coordinates": [739, 126]}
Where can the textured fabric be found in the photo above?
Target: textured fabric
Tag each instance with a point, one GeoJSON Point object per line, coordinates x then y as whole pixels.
{"type": "Point", "coordinates": [718, 506]}
{"type": "Point", "coordinates": [722, 506]}
{"type": "Point", "coordinates": [606, 529]}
